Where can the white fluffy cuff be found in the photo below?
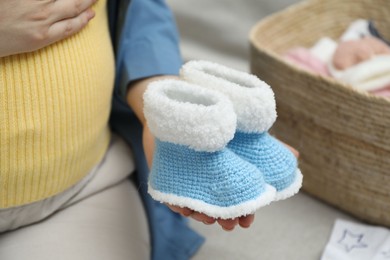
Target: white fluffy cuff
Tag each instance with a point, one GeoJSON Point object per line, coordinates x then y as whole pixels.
{"type": "Point", "coordinates": [186, 114]}
{"type": "Point", "coordinates": [253, 99]}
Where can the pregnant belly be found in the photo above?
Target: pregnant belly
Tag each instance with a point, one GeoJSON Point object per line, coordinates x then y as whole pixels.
{"type": "Point", "coordinates": [54, 109]}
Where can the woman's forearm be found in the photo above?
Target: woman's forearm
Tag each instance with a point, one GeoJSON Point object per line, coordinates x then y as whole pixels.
{"type": "Point", "coordinates": [135, 100]}
{"type": "Point", "coordinates": [136, 91]}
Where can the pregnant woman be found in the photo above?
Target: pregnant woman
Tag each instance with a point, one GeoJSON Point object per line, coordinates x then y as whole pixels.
{"type": "Point", "coordinates": [64, 186]}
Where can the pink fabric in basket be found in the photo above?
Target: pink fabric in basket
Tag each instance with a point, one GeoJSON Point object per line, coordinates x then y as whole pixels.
{"type": "Point", "coordinates": [385, 92]}
{"type": "Point", "coordinates": [304, 59]}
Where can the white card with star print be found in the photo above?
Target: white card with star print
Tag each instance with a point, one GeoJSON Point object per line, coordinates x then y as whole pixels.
{"type": "Point", "coordinates": [353, 241]}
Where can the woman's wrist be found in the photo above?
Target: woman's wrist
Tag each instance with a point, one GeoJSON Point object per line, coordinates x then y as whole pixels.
{"type": "Point", "coordinates": [136, 90]}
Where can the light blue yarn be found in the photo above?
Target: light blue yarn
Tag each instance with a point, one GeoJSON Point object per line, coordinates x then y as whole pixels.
{"type": "Point", "coordinates": [218, 178]}
{"type": "Point", "coordinates": [274, 160]}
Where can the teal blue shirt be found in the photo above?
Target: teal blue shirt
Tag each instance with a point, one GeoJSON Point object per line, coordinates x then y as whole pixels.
{"type": "Point", "coordinates": [145, 38]}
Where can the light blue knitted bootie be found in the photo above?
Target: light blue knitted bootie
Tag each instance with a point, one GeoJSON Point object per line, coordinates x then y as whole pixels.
{"type": "Point", "coordinates": [276, 162]}
{"type": "Point", "coordinates": [191, 165]}
{"type": "Point", "coordinates": [254, 103]}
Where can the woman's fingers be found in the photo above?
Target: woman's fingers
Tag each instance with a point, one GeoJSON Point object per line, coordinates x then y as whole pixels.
{"type": "Point", "coordinates": [183, 211]}
{"type": "Point", "coordinates": [202, 218]}
{"type": "Point", "coordinates": [67, 9]}
{"type": "Point", "coordinates": [246, 221]}
{"type": "Point", "coordinates": [68, 27]}
{"type": "Point", "coordinates": [228, 224]}
{"type": "Point", "coordinates": [35, 24]}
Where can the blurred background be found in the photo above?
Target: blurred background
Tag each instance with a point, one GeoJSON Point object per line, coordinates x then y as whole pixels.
{"type": "Point", "coordinates": [218, 30]}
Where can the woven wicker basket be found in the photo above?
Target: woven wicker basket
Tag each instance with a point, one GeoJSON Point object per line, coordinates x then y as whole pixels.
{"type": "Point", "coordinates": [343, 135]}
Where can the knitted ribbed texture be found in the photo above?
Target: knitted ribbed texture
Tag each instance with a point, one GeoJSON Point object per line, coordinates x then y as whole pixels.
{"type": "Point", "coordinates": [219, 184]}
{"type": "Point", "coordinates": [274, 160]}
{"type": "Point", "coordinates": [54, 108]}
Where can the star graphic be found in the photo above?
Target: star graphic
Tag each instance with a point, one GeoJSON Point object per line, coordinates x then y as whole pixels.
{"type": "Point", "coordinates": [350, 241]}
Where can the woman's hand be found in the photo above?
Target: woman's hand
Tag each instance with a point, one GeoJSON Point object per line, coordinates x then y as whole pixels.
{"type": "Point", "coordinates": [135, 100]}
{"type": "Point", "coordinates": [228, 224]}
{"type": "Point", "coordinates": [28, 25]}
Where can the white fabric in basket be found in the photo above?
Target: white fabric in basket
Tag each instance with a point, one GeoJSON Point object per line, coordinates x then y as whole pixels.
{"type": "Point", "coordinates": [369, 75]}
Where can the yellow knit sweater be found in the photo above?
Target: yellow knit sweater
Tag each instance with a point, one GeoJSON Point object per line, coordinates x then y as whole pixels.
{"type": "Point", "coordinates": [54, 109]}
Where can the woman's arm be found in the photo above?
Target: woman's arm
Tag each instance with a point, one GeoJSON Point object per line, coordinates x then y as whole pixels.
{"type": "Point", "coordinates": [135, 100]}
{"type": "Point", "coordinates": [28, 25]}
{"type": "Point", "coordinates": [148, 51]}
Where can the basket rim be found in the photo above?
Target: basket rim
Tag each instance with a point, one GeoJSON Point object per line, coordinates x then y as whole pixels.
{"type": "Point", "coordinates": [254, 31]}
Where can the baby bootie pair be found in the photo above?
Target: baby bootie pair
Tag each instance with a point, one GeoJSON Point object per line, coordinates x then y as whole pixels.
{"type": "Point", "coordinates": [213, 152]}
